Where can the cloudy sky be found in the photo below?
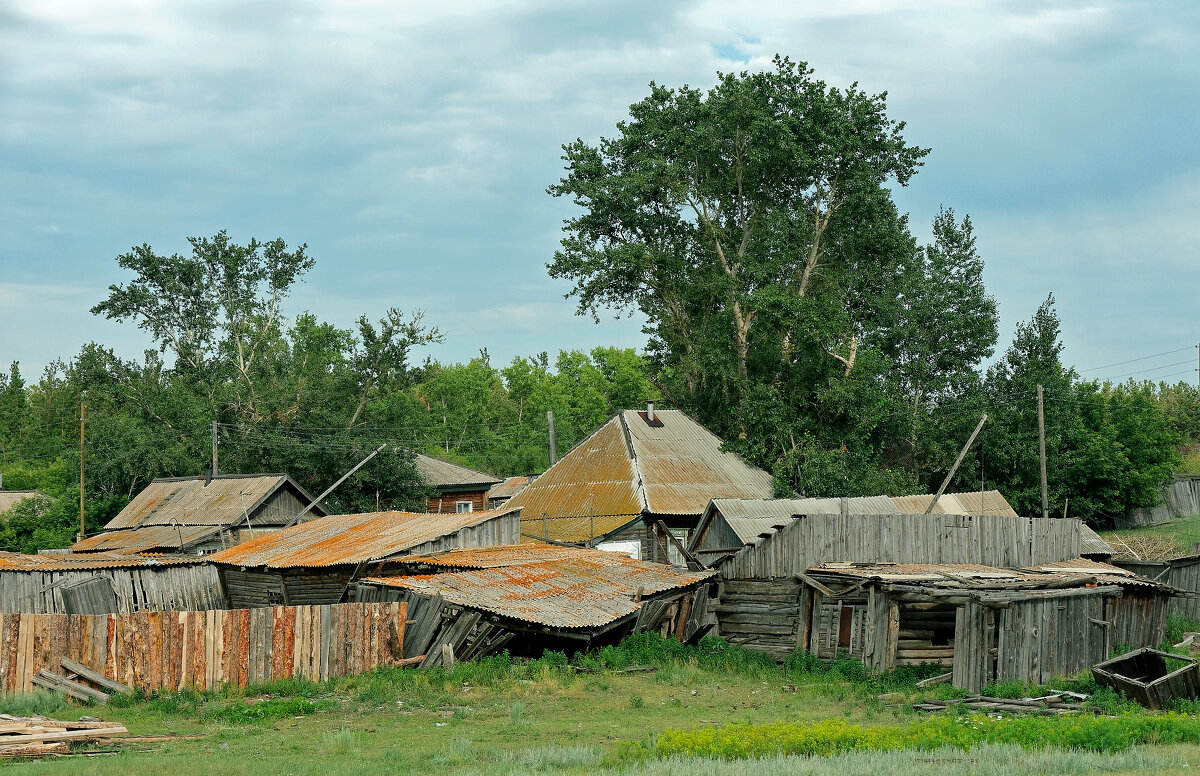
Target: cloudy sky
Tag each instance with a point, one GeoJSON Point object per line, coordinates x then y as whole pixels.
{"type": "Point", "coordinates": [410, 144]}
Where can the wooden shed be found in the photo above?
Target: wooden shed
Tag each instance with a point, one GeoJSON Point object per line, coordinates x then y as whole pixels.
{"type": "Point", "coordinates": [198, 515]}
{"type": "Point", "coordinates": [760, 590]}
{"type": "Point", "coordinates": [1182, 573]}
{"type": "Point", "coordinates": [99, 583]}
{"type": "Point", "coordinates": [315, 562]}
{"type": "Point", "coordinates": [529, 598]}
{"type": "Point", "coordinates": [984, 624]}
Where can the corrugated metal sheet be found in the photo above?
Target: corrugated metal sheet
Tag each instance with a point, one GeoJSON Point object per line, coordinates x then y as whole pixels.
{"type": "Point", "coordinates": [573, 588]}
{"type": "Point", "coordinates": [754, 519]}
{"type": "Point", "coordinates": [443, 474]}
{"type": "Point", "coordinates": [682, 466]}
{"type": "Point", "coordinates": [1090, 543]}
{"type": "Point", "coordinates": [993, 503]}
{"type": "Point", "coordinates": [1082, 568]}
{"type": "Point", "coordinates": [628, 468]}
{"type": "Point", "coordinates": [10, 498]}
{"type": "Point", "coordinates": [494, 557]}
{"type": "Point", "coordinates": [346, 539]}
{"type": "Point", "coordinates": [573, 530]}
{"type": "Point", "coordinates": [225, 501]}
{"type": "Point", "coordinates": [15, 561]}
{"type": "Point", "coordinates": [151, 537]}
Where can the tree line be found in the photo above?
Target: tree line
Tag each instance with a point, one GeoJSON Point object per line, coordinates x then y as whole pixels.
{"type": "Point", "coordinates": [789, 308]}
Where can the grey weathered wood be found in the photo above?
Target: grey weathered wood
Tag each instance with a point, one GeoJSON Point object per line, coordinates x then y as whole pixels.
{"type": "Point", "coordinates": [94, 677]}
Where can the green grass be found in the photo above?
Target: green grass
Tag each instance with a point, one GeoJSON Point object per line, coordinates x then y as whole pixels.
{"type": "Point", "coordinates": [1183, 531]}
{"type": "Point", "coordinates": [503, 717]}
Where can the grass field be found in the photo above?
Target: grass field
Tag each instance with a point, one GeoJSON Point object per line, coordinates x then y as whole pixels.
{"type": "Point", "coordinates": [503, 718]}
{"type": "Point", "coordinates": [1184, 532]}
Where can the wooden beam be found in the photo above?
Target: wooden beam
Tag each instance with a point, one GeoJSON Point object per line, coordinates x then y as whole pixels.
{"type": "Point", "coordinates": [94, 677]}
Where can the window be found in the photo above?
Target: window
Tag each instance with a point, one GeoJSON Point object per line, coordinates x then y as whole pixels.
{"type": "Point", "coordinates": [462, 506]}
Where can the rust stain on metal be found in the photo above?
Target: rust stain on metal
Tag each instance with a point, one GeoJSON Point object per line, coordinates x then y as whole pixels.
{"type": "Point", "coordinates": [15, 561]}
{"type": "Point", "coordinates": [343, 539]}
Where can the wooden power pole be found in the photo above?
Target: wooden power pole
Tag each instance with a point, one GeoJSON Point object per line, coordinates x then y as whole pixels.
{"type": "Point", "coordinates": [214, 445]}
{"type": "Point", "coordinates": [82, 418]}
{"type": "Point", "coordinates": [1042, 452]}
{"type": "Point", "coordinates": [550, 423]}
{"type": "Point", "coordinates": [957, 462]}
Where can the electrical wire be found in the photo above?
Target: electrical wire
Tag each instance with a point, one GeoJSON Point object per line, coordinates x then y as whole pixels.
{"type": "Point", "coordinates": [1143, 358]}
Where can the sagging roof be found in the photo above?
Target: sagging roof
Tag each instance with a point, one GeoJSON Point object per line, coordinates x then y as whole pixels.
{"type": "Point", "coordinates": [753, 519]}
{"type": "Point", "coordinates": [557, 587]}
{"type": "Point", "coordinates": [988, 502]}
{"type": "Point", "coordinates": [15, 561]}
{"type": "Point", "coordinates": [10, 498]}
{"type": "Point", "coordinates": [225, 501]}
{"type": "Point", "coordinates": [441, 474]}
{"type": "Point", "coordinates": [1090, 543]}
{"type": "Point", "coordinates": [177, 538]}
{"type": "Point", "coordinates": [352, 539]}
{"type": "Point", "coordinates": [631, 467]}
{"type": "Point", "coordinates": [1082, 570]}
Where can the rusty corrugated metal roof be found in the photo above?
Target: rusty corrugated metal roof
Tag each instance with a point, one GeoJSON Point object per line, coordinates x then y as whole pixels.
{"type": "Point", "coordinates": [493, 557]}
{"type": "Point", "coordinates": [510, 487]}
{"type": "Point", "coordinates": [571, 588]}
{"type": "Point", "coordinates": [129, 540]}
{"type": "Point", "coordinates": [225, 501]}
{"type": "Point", "coordinates": [1080, 568]}
{"type": "Point", "coordinates": [14, 561]}
{"type": "Point", "coordinates": [346, 539]}
{"type": "Point", "coordinates": [628, 468]}
{"type": "Point", "coordinates": [752, 519]}
{"type": "Point", "coordinates": [443, 474]}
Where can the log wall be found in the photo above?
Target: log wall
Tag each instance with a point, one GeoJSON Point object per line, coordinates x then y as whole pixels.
{"type": "Point", "coordinates": [174, 650]}
{"type": "Point", "coordinates": [763, 615]}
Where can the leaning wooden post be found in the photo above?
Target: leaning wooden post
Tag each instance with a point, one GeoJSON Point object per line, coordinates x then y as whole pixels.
{"type": "Point", "coordinates": [957, 462]}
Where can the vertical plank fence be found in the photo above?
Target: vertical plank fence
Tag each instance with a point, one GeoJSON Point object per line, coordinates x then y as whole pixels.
{"type": "Point", "coordinates": [205, 649]}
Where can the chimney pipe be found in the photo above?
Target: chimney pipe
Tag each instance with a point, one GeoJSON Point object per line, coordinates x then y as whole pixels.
{"type": "Point", "coordinates": [650, 411]}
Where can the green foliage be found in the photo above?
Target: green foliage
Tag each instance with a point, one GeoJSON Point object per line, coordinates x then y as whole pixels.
{"type": "Point", "coordinates": [42, 702]}
{"type": "Point", "coordinates": [1178, 624]}
{"type": "Point", "coordinates": [242, 713]}
{"type": "Point", "coordinates": [836, 736]}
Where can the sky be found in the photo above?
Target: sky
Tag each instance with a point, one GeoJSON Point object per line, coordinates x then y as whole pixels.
{"type": "Point", "coordinates": [409, 145]}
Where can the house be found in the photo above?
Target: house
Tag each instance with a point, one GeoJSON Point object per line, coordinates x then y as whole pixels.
{"type": "Point", "coordinates": [642, 477]}
{"type": "Point", "coordinates": [98, 583]}
{"type": "Point", "coordinates": [455, 488]}
{"type": "Point", "coordinates": [197, 515]}
{"type": "Point", "coordinates": [502, 492]}
{"type": "Point", "coordinates": [532, 597]}
{"type": "Point", "coordinates": [315, 562]}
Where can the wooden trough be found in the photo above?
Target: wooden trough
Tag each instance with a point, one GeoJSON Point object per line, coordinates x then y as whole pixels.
{"type": "Point", "coordinates": [1145, 676]}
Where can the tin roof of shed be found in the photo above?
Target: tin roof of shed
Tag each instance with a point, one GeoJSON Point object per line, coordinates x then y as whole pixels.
{"type": "Point", "coordinates": [443, 474]}
{"type": "Point", "coordinates": [15, 561]}
{"type": "Point", "coordinates": [134, 540]}
{"type": "Point", "coordinates": [571, 588]}
{"type": "Point", "coordinates": [225, 501]}
{"type": "Point", "coordinates": [346, 539]}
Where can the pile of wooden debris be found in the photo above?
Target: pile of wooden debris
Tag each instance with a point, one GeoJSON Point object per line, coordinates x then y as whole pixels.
{"type": "Point", "coordinates": [1062, 702]}
{"type": "Point", "coordinates": [1135, 547]}
{"type": "Point", "coordinates": [41, 737]}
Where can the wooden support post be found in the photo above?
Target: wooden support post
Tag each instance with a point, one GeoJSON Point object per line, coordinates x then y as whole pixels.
{"type": "Point", "coordinates": [214, 448]}
{"type": "Point", "coordinates": [550, 429]}
{"type": "Point", "coordinates": [82, 530]}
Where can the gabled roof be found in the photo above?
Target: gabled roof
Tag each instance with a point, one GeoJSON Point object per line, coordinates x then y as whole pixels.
{"type": "Point", "coordinates": [225, 501]}
{"type": "Point", "coordinates": [10, 498]}
{"type": "Point", "coordinates": [630, 467]}
{"type": "Point", "coordinates": [755, 518]}
{"type": "Point", "coordinates": [352, 539]}
{"type": "Point", "coordinates": [175, 538]}
{"type": "Point", "coordinates": [559, 587]}
{"type": "Point", "coordinates": [510, 487]}
{"type": "Point", "coordinates": [442, 474]}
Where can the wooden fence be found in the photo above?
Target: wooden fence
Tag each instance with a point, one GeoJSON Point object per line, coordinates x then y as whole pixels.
{"type": "Point", "coordinates": [174, 650]}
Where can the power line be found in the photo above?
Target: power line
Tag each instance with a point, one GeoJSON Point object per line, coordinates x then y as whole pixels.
{"type": "Point", "coordinates": [1152, 369]}
{"type": "Point", "coordinates": [1143, 358]}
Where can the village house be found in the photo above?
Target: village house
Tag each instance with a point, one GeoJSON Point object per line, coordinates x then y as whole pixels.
{"type": "Point", "coordinates": [639, 483]}
{"type": "Point", "coordinates": [198, 515]}
{"type": "Point", "coordinates": [455, 488]}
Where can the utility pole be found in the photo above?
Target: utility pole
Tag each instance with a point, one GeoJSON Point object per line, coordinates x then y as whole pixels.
{"type": "Point", "coordinates": [214, 441]}
{"type": "Point", "coordinates": [1042, 452]}
{"type": "Point", "coordinates": [82, 418]}
{"type": "Point", "coordinates": [957, 462]}
{"type": "Point", "coordinates": [329, 490]}
{"type": "Point", "coordinates": [550, 423]}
